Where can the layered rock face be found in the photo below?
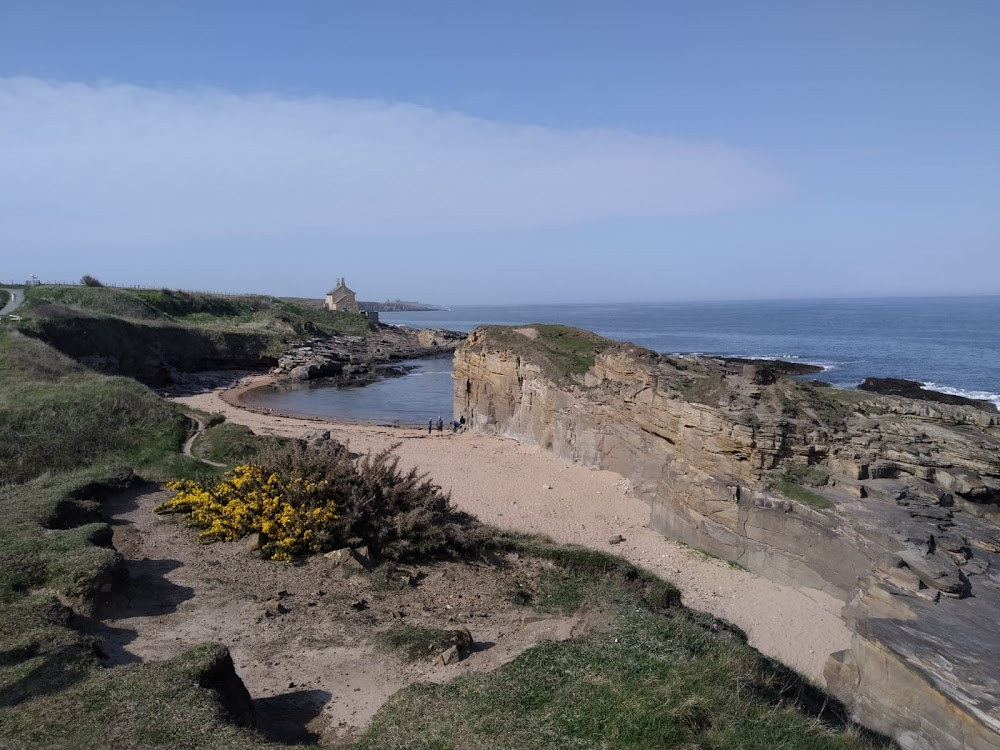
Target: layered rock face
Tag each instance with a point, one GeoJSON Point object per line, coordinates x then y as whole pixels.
{"type": "Point", "coordinates": [889, 503]}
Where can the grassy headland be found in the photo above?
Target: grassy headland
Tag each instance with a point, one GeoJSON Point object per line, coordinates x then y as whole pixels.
{"type": "Point", "coordinates": [145, 333]}
{"type": "Point", "coordinates": [56, 415]}
{"type": "Point", "coordinates": [561, 351]}
{"type": "Point", "coordinates": [195, 309]}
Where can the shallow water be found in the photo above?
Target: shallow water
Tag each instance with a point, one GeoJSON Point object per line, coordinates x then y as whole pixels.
{"type": "Point", "coordinates": [424, 393]}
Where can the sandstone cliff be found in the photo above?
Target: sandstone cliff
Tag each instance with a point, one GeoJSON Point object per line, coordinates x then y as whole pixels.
{"type": "Point", "coordinates": [888, 503]}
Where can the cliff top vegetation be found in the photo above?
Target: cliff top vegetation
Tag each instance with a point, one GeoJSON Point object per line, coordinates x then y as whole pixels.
{"type": "Point", "coordinates": [147, 334]}
{"type": "Point", "coordinates": [561, 351]}
{"type": "Point", "coordinates": [191, 309]}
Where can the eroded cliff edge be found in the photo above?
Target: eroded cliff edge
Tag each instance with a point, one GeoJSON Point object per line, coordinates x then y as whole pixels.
{"type": "Point", "coordinates": [889, 503]}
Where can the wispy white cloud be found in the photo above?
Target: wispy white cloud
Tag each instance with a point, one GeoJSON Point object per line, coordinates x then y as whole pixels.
{"type": "Point", "coordinates": [118, 163]}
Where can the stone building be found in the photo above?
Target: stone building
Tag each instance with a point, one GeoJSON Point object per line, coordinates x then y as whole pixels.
{"type": "Point", "coordinates": [341, 299]}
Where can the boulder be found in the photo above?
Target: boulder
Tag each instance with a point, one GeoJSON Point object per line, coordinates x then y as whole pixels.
{"type": "Point", "coordinates": [350, 560]}
{"type": "Point", "coordinates": [461, 645]}
{"type": "Point", "coordinates": [936, 572]}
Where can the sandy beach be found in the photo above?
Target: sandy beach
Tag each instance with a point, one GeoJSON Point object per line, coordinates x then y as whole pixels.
{"type": "Point", "coordinates": [523, 488]}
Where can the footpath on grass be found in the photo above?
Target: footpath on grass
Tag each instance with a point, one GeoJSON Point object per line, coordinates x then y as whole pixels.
{"type": "Point", "coordinates": [13, 302]}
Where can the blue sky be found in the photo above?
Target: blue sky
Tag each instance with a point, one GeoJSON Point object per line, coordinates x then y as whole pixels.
{"type": "Point", "coordinates": [461, 152]}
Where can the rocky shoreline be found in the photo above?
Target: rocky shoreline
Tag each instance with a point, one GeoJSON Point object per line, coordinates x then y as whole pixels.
{"type": "Point", "coordinates": [888, 503]}
{"type": "Point", "coordinates": [357, 360]}
{"type": "Point", "coordinates": [914, 389]}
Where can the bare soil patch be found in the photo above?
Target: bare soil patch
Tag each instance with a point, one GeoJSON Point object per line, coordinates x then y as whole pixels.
{"type": "Point", "coordinates": [312, 664]}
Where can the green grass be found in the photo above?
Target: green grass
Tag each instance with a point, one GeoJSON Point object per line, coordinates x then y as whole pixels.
{"type": "Point", "coordinates": [195, 310]}
{"type": "Point", "coordinates": [794, 483]}
{"type": "Point", "coordinates": [562, 352]}
{"type": "Point", "coordinates": [57, 416]}
{"type": "Point", "coordinates": [827, 406]}
{"type": "Point", "coordinates": [415, 642]}
{"type": "Point", "coordinates": [803, 495]}
{"type": "Point", "coordinates": [228, 443]}
{"type": "Point", "coordinates": [653, 674]}
{"type": "Point", "coordinates": [809, 476]}
{"type": "Point", "coordinates": [166, 704]}
{"type": "Point", "coordinates": [4, 297]}
{"type": "Point", "coordinates": [571, 349]}
{"type": "Point", "coordinates": [705, 388]}
{"type": "Point", "coordinates": [144, 333]}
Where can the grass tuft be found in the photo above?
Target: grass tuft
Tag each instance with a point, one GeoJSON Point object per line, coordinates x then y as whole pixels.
{"type": "Point", "coordinates": [803, 495]}
{"type": "Point", "coordinates": [415, 642]}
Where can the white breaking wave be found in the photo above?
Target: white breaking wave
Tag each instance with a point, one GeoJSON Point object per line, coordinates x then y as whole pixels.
{"type": "Point", "coordinates": [993, 398]}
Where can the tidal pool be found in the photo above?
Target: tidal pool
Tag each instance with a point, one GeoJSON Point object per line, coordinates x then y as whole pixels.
{"type": "Point", "coordinates": [424, 392]}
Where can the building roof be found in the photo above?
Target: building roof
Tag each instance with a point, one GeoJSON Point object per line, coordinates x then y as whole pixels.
{"type": "Point", "coordinates": [341, 287]}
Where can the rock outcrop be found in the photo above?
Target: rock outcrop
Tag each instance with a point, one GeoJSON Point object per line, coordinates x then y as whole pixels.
{"type": "Point", "coordinates": [153, 353]}
{"type": "Point", "coordinates": [355, 360]}
{"type": "Point", "coordinates": [889, 503]}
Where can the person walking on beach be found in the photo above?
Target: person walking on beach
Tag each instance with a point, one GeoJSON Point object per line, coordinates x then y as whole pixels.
{"type": "Point", "coordinates": [440, 425]}
{"type": "Point", "coordinates": [430, 426]}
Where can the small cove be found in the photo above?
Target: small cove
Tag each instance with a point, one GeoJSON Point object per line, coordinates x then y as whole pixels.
{"type": "Point", "coordinates": [424, 392]}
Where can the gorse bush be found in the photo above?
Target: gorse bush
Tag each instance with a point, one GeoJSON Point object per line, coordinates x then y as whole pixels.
{"type": "Point", "coordinates": [304, 499]}
{"type": "Point", "coordinates": [291, 513]}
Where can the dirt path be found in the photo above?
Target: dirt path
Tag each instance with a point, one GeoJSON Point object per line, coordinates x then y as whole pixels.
{"type": "Point", "coordinates": [503, 483]}
{"type": "Point", "coordinates": [15, 301]}
{"type": "Point", "coordinates": [189, 443]}
{"type": "Point", "coordinates": [313, 670]}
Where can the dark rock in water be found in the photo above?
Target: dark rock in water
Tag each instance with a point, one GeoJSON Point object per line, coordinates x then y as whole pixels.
{"type": "Point", "coordinates": [776, 366]}
{"type": "Point", "coordinates": [914, 389]}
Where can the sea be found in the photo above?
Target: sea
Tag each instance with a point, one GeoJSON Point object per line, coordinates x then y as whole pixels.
{"type": "Point", "coordinates": [950, 344]}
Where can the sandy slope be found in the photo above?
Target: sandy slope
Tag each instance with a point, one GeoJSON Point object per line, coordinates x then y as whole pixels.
{"type": "Point", "coordinates": [504, 483]}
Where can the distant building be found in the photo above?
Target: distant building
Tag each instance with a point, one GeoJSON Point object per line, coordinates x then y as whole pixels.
{"type": "Point", "coordinates": [341, 299]}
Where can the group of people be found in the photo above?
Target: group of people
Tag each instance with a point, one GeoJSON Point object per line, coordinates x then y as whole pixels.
{"type": "Point", "coordinates": [456, 424]}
